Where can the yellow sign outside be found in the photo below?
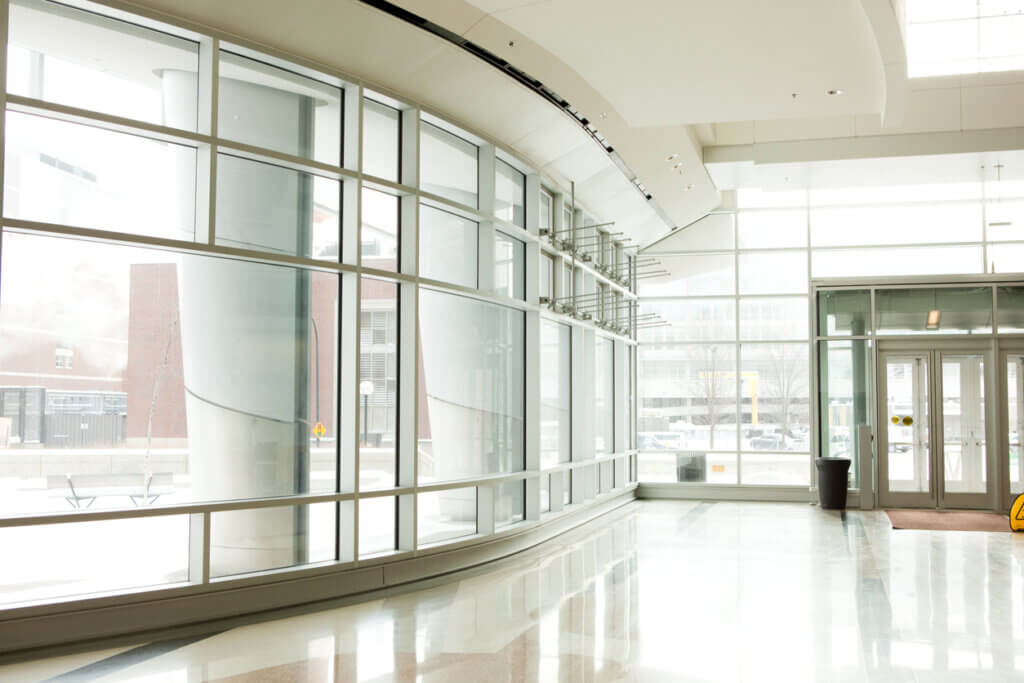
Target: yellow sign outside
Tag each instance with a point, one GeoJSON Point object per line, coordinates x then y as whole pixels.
{"type": "Point", "coordinates": [907, 421]}
{"type": "Point", "coordinates": [1017, 514]}
{"type": "Point", "coordinates": [895, 419]}
{"type": "Point", "coordinates": [319, 430]}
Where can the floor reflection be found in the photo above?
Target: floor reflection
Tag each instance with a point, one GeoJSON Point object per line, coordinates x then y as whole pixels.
{"type": "Point", "coordinates": [660, 591]}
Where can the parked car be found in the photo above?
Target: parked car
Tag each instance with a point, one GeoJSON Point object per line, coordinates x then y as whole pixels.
{"type": "Point", "coordinates": [767, 442]}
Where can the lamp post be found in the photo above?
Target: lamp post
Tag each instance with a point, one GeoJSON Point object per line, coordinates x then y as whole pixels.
{"type": "Point", "coordinates": [365, 389]}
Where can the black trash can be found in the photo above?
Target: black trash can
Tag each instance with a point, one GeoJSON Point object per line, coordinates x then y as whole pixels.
{"type": "Point", "coordinates": [832, 480]}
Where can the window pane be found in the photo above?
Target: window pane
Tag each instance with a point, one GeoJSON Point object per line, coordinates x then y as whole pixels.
{"type": "Point", "coordinates": [555, 396]}
{"type": "Point", "coordinates": [471, 388]}
{"type": "Point", "coordinates": [695, 275]}
{"type": "Point", "coordinates": [206, 372]}
{"type": "Point", "coordinates": [691, 320]}
{"type": "Point", "coordinates": [448, 247]}
{"type": "Point", "coordinates": [268, 107]}
{"type": "Point", "coordinates": [81, 59]}
{"type": "Point", "coordinates": [688, 397]}
{"type": "Point", "coordinates": [379, 239]}
{"type": "Point", "coordinates": [960, 310]}
{"type": "Point", "coordinates": [448, 165]}
{"type": "Point", "coordinates": [772, 229]}
{"type": "Point", "coordinates": [381, 134]}
{"type": "Point", "coordinates": [689, 467]}
{"type": "Point", "coordinates": [1006, 258]}
{"type": "Point", "coordinates": [547, 210]}
{"type": "Point", "coordinates": [776, 272]}
{"type": "Point", "coordinates": [510, 194]}
{"type": "Point", "coordinates": [776, 469]}
{"type": "Point", "coordinates": [378, 384]}
{"type": "Point", "coordinates": [844, 389]}
{"type": "Point", "coordinates": [58, 172]}
{"type": "Point", "coordinates": [509, 266]}
{"type": "Point", "coordinates": [376, 525]}
{"type": "Point", "coordinates": [921, 223]}
{"type": "Point", "coordinates": [446, 515]}
{"type": "Point", "coordinates": [1005, 220]}
{"type": "Point", "coordinates": [774, 318]}
{"type": "Point", "coordinates": [547, 276]}
{"type": "Point", "coordinates": [774, 394]}
{"type": "Point", "coordinates": [1011, 309]}
{"type": "Point", "coordinates": [244, 541]}
{"type": "Point", "coordinates": [843, 312]}
{"type": "Point", "coordinates": [901, 261]}
{"type": "Point", "coordinates": [272, 208]}
{"type": "Point", "coordinates": [509, 504]}
{"type": "Point", "coordinates": [604, 395]}
{"type": "Point", "coordinates": [107, 556]}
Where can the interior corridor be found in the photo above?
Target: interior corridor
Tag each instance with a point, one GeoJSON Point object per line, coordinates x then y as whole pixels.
{"type": "Point", "coordinates": [656, 591]}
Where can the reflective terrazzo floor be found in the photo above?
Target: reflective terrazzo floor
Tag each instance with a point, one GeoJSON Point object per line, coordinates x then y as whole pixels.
{"type": "Point", "coordinates": [657, 591]}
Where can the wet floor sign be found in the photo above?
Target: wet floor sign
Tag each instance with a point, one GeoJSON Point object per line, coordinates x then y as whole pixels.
{"type": "Point", "coordinates": [1017, 514]}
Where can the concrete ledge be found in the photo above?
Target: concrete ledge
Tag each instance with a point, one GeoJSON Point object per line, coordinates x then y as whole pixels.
{"type": "Point", "coordinates": [159, 613]}
{"type": "Point", "coordinates": [682, 491]}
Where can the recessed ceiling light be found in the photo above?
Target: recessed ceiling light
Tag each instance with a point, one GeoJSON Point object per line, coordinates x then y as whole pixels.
{"type": "Point", "coordinates": [689, 187]}
{"type": "Point", "coordinates": [671, 157]}
{"type": "Point", "coordinates": [837, 91]}
{"type": "Point", "coordinates": [677, 166]}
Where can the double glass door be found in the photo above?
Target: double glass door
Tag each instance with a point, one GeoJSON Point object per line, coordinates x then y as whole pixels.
{"type": "Point", "coordinates": [934, 446]}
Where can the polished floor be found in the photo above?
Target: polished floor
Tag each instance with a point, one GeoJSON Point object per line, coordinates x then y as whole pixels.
{"type": "Point", "coordinates": [657, 591]}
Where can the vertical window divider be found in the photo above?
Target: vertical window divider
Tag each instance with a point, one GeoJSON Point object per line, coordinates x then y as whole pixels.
{"type": "Point", "coordinates": [532, 398]}
{"type": "Point", "coordinates": [199, 547]}
{"type": "Point", "coordinates": [738, 349]}
{"type": "Point", "coordinates": [206, 156]}
{"type": "Point", "coordinates": [349, 407]}
{"type": "Point", "coordinates": [3, 103]}
{"type": "Point", "coordinates": [352, 127]}
{"type": "Point", "coordinates": [486, 182]}
{"type": "Point", "coordinates": [408, 413]}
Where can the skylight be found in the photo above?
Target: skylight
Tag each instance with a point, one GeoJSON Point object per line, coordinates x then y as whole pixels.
{"type": "Point", "coordinates": [964, 36]}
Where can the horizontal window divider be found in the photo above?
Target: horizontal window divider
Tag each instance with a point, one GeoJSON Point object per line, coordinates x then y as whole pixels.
{"type": "Point", "coordinates": [487, 297]}
{"type": "Point", "coordinates": [465, 211]}
{"type": "Point", "coordinates": [560, 467]}
{"type": "Point", "coordinates": [479, 481]}
{"type": "Point", "coordinates": [199, 248]}
{"type": "Point", "coordinates": [167, 510]}
{"type": "Point", "coordinates": [387, 186]}
{"type": "Point", "coordinates": [949, 335]}
{"type": "Point", "coordinates": [753, 452]}
{"type": "Point", "coordinates": [513, 230]}
{"type": "Point", "coordinates": [267, 156]}
{"type": "Point", "coordinates": [908, 245]}
{"type": "Point", "coordinates": [291, 63]}
{"type": "Point", "coordinates": [386, 493]}
{"type": "Point", "coordinates": [387, 275]}
{"type": "Point", "coordinates": [649, 344]}
{"type": "Point", "coordinates": [861, 337]}
{"type": "Point", "coordinates": [109, 122]}
{"type": "Point", "coordinates": [150, 19]}
{"type": "Point", "coordinates": [914, 281]}
{"type": "Point", "coordinates": [802, 340]}
{"type": "Point", "coordinates": [694, 297]}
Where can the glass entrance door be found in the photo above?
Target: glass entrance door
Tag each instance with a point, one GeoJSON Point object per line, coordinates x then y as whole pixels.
{"type": "Point", "coordinates": [925, 394]}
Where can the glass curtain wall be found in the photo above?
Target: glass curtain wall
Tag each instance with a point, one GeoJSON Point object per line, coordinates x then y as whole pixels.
{"type": "Point", "coordinates": [216, 325]}
{"type": "Point", "coordinates": [738, 298]}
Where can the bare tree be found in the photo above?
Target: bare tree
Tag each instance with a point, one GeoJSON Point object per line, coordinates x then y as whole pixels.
{"type": "Point", "coordinates": [709, 383]}
{"type": "Point", "coordinates": [784, 379]}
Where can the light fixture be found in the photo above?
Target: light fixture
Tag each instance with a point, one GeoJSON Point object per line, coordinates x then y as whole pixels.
{"type": "Point", "coordinates": [671, 157]}
{"type": "Point", "coordinates": [836, 91]}
{"type": "Point", "coordinates": [934, 316]}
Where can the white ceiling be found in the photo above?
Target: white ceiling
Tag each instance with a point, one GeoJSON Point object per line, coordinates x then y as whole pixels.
{"type": "Point", "coordinates": [667, 62]}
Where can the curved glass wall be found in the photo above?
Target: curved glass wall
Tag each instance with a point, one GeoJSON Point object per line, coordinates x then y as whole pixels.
{"type": "Point", "coordinates": [217, 358]}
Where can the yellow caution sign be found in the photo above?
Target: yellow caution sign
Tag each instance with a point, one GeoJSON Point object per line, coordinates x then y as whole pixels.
{"type": "Point", "coordinates": [907, 421]}
{"type": "Point", "coordinates": [319, 430]}
{"type": "Point", "coordinates": [1017, 514]}
{"type": "Point", "coordinates": [895, 419]}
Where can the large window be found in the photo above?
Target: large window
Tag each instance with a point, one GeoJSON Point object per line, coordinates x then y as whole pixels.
{"type": "Point", "coordinates": [510, 194]}
{"type": "Point", "coordinates": [448, 165]}
{"type": "Point", "coordinates": [262, 105]}
{"type": "Point", "coordinates": [448, 247]}
{"type": "Point", "coordinates": [604, 396]}
{"type": "Point", "coordinates": [471, 388]}
{"type": "Point", "coordinates": [963, 36]}
{"type": "Point", "coordinates": [76, 58]}
{"type": "Point", "coordinates": [202, 305]}
{"type": "Point", "coordinates": [555, 394]}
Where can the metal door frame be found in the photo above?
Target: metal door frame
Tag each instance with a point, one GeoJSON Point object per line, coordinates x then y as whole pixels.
{"type": "Point", "coordinates": [1009, 348]}
{"type": "Point", "coordinates": [936, 496]}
